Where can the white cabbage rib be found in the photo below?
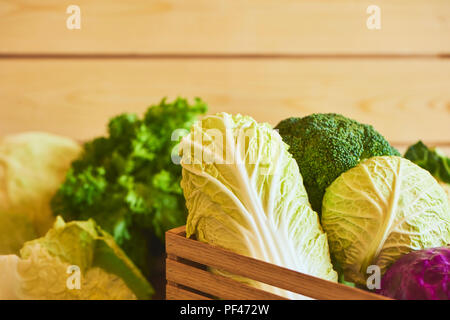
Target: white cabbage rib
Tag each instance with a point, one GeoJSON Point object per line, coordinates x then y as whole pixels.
{"type": "Point", "coordinates": [381, 209]}
{"type": "Point", "coordinates": [257, 208]}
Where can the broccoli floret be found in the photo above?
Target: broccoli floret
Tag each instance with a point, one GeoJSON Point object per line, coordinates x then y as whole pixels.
{"type": "Point", "coordinates": [326, 145]}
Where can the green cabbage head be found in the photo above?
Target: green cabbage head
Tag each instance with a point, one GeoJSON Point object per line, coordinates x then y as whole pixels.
{"type": "Point", "coordinates": [74, 260]}
{"type": "Point", "coordinates": [244, 192]}
{"type": "Point", "coordinates": [32, 167]}
{"type": "Point", "coordinates": [380, 210]}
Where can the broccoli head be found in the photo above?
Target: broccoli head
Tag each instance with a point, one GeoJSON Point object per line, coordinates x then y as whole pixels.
{"type": "Point", "coordinates": [326, 145]}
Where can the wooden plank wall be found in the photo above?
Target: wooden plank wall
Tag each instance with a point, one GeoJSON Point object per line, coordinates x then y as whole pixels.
{"type": "Point", "coordinates": [225, 26]}
{"type": "Point", "coordinates": [270, 59]}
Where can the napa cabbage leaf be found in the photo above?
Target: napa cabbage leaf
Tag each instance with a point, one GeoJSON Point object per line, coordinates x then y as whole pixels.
{"type": "Point", "coordinates": [244, 192]}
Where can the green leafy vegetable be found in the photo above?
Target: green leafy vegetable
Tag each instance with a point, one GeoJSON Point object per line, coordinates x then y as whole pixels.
{"type": "Point", "coordinates": [244, 193]}
{"type": "Point", "coordinates": [326, 145]}
{"type": "Point", "coordinates": [431, 159]}
{"type": "Point", "coordinates": [127, 181]}
{"type": "Point", "coordinates": [47, 266]}
{"type": "Point", "coordinates": [380, 210]}
{"type": "Point", "coordinates": [32, 167]}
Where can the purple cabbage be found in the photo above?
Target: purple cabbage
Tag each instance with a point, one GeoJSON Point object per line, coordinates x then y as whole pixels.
{"type": "Point", "coordinates": [419, 275]}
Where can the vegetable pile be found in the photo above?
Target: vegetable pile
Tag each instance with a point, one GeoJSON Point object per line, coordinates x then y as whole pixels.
{"type": "Point", "coordinates": [323, 195]}
{"type": "Point", "coordinates": [126, 184]}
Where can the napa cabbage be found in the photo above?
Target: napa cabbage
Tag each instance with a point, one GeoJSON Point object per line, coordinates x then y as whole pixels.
{"type": "Point", "coordinates": [244, 192]}
{"type": "Point", "coordinates": [381, 209]}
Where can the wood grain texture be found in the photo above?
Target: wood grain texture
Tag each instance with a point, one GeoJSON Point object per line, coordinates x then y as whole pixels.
{"type": "Point", "coordinates": [218, 26]}
{"type": "Point", "coordinates": [181, 231]}
{"type": "Point", "coordinates": [215, 285]}
{"type": "Point", "coordinates": [258, 270]}
{"type": "Point", "coordinates": [404, 100]}
{"type": "Point", "coordinates": [174, 292]}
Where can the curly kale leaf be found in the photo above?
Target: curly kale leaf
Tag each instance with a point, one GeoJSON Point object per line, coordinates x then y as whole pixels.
{"type": "Point", "coordinates": [127, 181]}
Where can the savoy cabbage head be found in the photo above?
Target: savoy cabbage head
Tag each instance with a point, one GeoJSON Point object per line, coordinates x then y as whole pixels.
{"type": "Point", "coordinates": [380, 210]}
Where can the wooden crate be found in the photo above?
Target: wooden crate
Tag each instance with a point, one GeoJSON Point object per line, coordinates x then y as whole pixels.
{"type": "Point", "coordinates": [188, 278]}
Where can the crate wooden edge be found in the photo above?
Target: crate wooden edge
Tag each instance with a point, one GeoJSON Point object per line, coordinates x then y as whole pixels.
{"type": "Point", "coordinates": [175, 292]}
{"type": "Point", "coordinates": [213, 284]}
{"type": "Point", "coordinates": [178, 246]}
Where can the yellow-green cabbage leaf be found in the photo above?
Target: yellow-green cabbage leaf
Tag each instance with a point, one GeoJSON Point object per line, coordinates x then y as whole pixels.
{"type": "Point", "coordinates": [380, 210]}
{"type": "Point", "coordinates": [244, 192]}
{"type": "Point", "coordinates": [44, 269]}
{"type": "Point", "coordinates": [32, 167]}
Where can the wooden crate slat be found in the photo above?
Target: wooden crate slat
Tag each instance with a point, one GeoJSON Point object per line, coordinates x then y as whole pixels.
{"type": "Point", "coordinates": [174, 292]}
{"type": "Point", "coordinates": [262, 271]}
{"type": "Point", "coordinates": [179, 230]}
{"type": "Point", "coordinates": [404, 100]}
{"type": "Point", "coordinates": [216, 285]}
{"type": "Point", "coordinates": [216, 26]}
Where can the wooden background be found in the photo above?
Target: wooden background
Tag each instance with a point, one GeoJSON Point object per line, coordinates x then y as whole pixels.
{"type": "Point", "coordinates": [270, 59]}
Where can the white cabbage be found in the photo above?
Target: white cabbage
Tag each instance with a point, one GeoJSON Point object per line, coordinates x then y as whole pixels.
{"type": "Point", "coordinates": [380, 210]}
{"type": "Point", "coordinates": [244, 192]}
{"type": "Point", "coordinates": [32, 167]}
